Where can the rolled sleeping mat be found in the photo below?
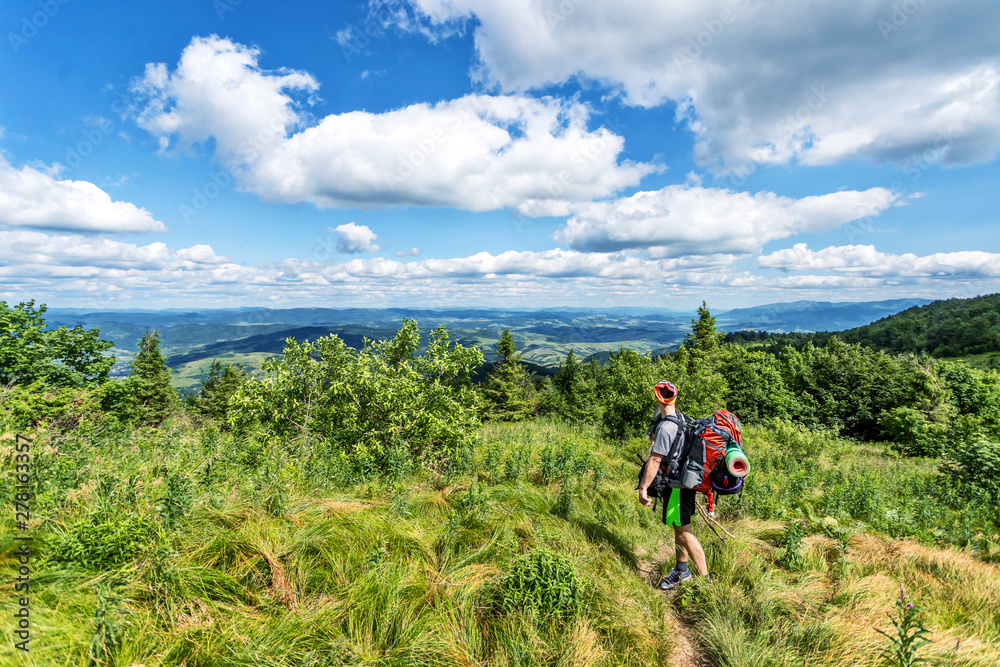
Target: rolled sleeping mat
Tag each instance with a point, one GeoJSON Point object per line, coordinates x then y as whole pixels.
{"type": "Point", "coordinates": [737, 463]}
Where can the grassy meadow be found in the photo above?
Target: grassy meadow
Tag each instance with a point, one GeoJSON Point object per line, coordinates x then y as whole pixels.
{"type": "Point", "coordinates": [184, 545]}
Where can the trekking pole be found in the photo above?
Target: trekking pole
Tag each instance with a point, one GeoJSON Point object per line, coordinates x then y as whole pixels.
{"type": "Point", "coordinates": [710, 521]}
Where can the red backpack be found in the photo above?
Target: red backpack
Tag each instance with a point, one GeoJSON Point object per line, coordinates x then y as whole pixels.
{"type": "Point", "coordinates": [705, 465]}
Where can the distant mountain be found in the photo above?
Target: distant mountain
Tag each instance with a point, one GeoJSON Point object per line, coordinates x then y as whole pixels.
{"type": "Point", "coordinates": [544, 336]}
{"type": "Point", "coordinates": [949, 328]}
{"type": "Point", "coordinates": [811, 315]}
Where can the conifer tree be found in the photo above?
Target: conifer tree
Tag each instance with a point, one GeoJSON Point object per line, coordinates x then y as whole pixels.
{"type": "Point", "coordinates": [703, 337]}
{"type": "Point", "coordinates": [508, 391]}
{"type": "Point", "coordinates": [216, 390]}
{"type": "Point", "coordinates": [150, 381]}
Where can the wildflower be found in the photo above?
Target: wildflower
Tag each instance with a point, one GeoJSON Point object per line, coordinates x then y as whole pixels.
{"type": "Point", "coordinates": [909, 605]}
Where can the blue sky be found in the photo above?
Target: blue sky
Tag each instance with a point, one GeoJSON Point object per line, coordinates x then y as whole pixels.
{"type": "Point", "coordinates": [509, 154]}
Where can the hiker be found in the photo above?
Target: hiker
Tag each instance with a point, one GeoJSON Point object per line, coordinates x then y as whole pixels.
{"type": "Point", "coordinates": [664, 429]}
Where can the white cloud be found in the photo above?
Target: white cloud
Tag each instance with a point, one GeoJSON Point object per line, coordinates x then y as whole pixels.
{"type": "Point", "coordinates": [867, 261]}
{"type": "Point", "coordinates": [354, 238]}
{"type": "Point", "coordinates": [86, 272]}
{"type": "Point", "coordinates": [34, 249]}
{"type": "Point", "coordinates": [37, 199]}
{"type": "Point", "coordinates": [680, 220]}
{"type": "Point", "coordinates": [478, 152]}
{"type": "Point", "coordinates": [412, 252]}
{"type": "Point", "coordinates": [765, 82]}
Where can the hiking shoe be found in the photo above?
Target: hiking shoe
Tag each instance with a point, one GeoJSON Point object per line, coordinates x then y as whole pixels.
{"type": "Point", "coordinates": [674, 579]}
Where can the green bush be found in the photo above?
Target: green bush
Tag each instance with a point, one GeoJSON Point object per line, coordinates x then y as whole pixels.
{"type": "Point", "coordinates": [107, 540]}
{"type": "Point", "coordinates": [542, 582]}
{"type": "Point", "coordinates": [973, 468]}
{"type": "Point", "coordinates": [371, 404]}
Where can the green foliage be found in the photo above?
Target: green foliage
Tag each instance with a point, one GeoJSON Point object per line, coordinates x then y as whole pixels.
{"type": "Point", "coordinates": [576, 389]}
{"type": "Point", "coordinates": [106, 540]}
{"type": "Point", "coordinates": [30, 352]}
{"type": "Point", "coordinates": [543, 582]}
{"type": "Point", "coordinates": [109, 624]}
{"type": "Point", "coordinates": [908, 636]}
{"type": "Point", "coordinates": [23, 406]}
{"type": "Point", "coordinates": [223, 381]}
{"type": "Point", "coordinates": [949, 328]}
{"type": "Point", "coordinates": [756, 390]}
{"type": "Point", "coordinates": [973, 468]}
{"type": "Point", "coordinates": [912, 433]}
{"type": "Point", "coordinates": [704, 337]}
{"type": "Point", "coordinates": [627, 400]}
{"type": "Point", "coordinates": [508, 391]}
{"type": "Point", "coordinates": [791, 542]}
{"type": "Point", "coordinates": [376, 406]}
{"type": "Point", "coordinates": [848, 386]}
{"type": "Point", "coordinates": [145, 397]}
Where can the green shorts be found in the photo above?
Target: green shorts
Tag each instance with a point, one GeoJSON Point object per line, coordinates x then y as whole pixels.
{"type": "Point", "coordinates": [679, 514]}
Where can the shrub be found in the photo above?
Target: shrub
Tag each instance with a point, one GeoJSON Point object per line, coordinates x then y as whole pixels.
{"type": "Point", "coordinates": [542, 582]}
{"type": "Point", "coordinates": [106, 540]}
{"type": "Point", "coordinates": [371, 404]}
{"type": "Point", "coordinates": [973, 469]}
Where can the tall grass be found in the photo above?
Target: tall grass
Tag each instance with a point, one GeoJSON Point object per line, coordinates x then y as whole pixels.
{"type": "Point", "coordinates": [249, 552]}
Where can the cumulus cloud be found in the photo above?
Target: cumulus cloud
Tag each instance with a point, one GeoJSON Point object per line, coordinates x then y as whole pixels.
{"type": "Point", "coordinates": [92, 273]}
{"type": "Point", "coordinates": [684, 220]}
{"type": "Point", "coordinates": [412, 252]}
{"type": "Point", "coordinates": [354, 238]}
{"type": "Point", "coordinates": [25, 248]}
{"type": "Point", "coordinates": [38, 199]}
{"type": "Point", "coordinates": [867, 261]}
{"type": "Point", "coordinates": [478, 152]}
{"type": "Point", "coordinates": [768, 83]}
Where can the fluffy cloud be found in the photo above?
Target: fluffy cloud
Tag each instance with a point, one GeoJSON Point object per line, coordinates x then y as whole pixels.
{"type": "Point", "coordinates": [867, 261]}
{"type": "Point", "coordinates": [37, 199]}
{"type": "Point", "coordinates": [354, 238]}
{"type": "Point", "coordinates": [19, 249]}
{"type": "Point", "coordinates": [762, 82]}
{"type": "Point", "coordinates": [88, 273]}
{"type": "Point", "coordinates": [688, 220]}
{"type": "Point", "coordinates": [479, 152]}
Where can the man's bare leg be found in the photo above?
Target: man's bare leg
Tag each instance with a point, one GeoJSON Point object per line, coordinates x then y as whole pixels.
{"type": "Point", "coordinates": [688, 545]}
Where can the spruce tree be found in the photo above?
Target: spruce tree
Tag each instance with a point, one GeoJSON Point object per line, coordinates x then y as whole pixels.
{"type": "Point", "coordinates": [703, 337]}
{"type": "Point", "coordinates": [508, 390]}
{"type": "Point", "coordinates": [218, 388]}
{"type": "Point", "coordinates": [150, 381]}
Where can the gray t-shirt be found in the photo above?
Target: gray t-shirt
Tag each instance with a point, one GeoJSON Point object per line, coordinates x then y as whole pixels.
{"type": "Point", "coordinates": [666, 431]}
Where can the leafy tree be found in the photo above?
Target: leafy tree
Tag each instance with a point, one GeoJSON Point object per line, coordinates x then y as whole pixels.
{"type": "Point", "coordinates": [849, 386]}
{"type": "Point", "coordinates": [576, 387]}
{"type": "Point", "coordinates": [757, 391]}
{"type": "Point", "coordinates": [376, 406]}
{"type": "Point", "coordinates": [62, 357]}
{"type": "Point", "coordinates": [223, 381]}
{"type": "Point", "coordinates": [508, 391]}
{"type": "Point", "coordinates": [627, 401]}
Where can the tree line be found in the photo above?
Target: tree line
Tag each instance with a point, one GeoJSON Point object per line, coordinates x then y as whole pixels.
{"type": "Point", "coordinates": [386, 405]}
{"type": "Point", "coordinates": [949, 328]}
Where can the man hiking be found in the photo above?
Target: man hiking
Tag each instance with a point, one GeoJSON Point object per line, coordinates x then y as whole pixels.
{"type": "Point", "coordinates": [664, 429]}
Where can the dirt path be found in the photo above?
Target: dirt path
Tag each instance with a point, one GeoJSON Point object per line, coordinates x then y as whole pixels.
{"type": "Point", "coordinates": [685, 653]}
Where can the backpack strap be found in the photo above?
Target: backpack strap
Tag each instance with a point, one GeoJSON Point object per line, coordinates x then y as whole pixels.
{"type": "Point", "coordinates": [682, 426]}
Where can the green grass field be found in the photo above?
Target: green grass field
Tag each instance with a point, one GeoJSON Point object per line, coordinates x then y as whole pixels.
{"type": "Point", "coordinates": [183, 546]}
{"type": "Point", "coordinates": [189, 376]}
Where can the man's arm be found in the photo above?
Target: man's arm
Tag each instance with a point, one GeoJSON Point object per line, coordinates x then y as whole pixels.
{"type": "Point", "coordinates": [651, 467]}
